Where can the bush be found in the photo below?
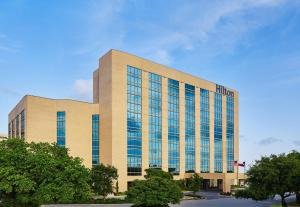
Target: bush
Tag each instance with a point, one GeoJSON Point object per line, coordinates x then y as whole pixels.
{"type": "Point", "coordinates": [152, 172]}
{"type": "Point", "coordinates": [225, 193]}
{"type": "Point", "coordinates": [243, 194]}
{"type": "Point", "coordinates": [157, 190]}
{"type": "Point", "coordinates": [193, 183]}
{"type": "Point", "coordinates": [182, 184]}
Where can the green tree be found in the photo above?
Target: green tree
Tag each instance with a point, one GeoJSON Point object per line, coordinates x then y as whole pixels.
{"type": "Point", "coordinates": [36, 173]}
{"type": "Point", "coordinates": [295, 157]}
{"type": "Point", "coordinates": [159, 189]}
{"type": "Point", "coordinates": [103, 178]}
{"type": "Point", "coordinates": [152, 172]}
{"type": "Point", "coordinates": [195, 183]}
{"type": "Point", "coordinates": [270, 176]}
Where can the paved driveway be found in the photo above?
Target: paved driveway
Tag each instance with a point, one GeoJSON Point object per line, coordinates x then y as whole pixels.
{"type": "Point", "coordinates": [213, 200]}
{"type": "Point", "coordinates": [221, 202]}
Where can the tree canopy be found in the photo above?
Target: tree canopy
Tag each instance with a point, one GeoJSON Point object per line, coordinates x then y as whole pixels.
{"type": "Point", "coordinates": [102, 179]}
{"type": "Point", "coordinates": [195, 183]}
{"type": "Point", "coordinates": [38, 173]}
{"type": "Point", "coordinates": [276, 174]}
{"type": "Point", "coordinates": [295, 157]}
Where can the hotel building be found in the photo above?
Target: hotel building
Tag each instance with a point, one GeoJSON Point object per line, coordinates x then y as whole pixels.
{"type": "Point", "coordinates": [143, 115]}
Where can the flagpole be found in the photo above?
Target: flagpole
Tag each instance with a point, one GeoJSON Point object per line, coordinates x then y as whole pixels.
{"type": "Point", "coordinates": [237, 173]}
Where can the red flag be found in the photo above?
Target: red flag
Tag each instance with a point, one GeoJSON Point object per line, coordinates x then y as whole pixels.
{"type": "Point", "coordinates": [235, 163]}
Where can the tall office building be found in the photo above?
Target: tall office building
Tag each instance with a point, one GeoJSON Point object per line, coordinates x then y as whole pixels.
{"type": "Point", "coordinates": [143, 115]}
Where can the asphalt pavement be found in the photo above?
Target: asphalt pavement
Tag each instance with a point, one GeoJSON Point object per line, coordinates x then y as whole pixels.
{"type": "Point", "coordinates": [213, 200]}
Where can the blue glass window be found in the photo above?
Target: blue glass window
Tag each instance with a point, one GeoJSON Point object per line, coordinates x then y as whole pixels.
{"type": "Point", "coordinates": [155, 128]}
{"type": "Point", "coordinates": [134, 121]}
{"type": "Point", "coordinates": [18, 126]}
{"type": "Point", "coordinates": [173, 127]}
{"type": "Point", "coordinates": [61, 128]}
{"type": "Point", "coordinates": [23, 124]}
{"type": "Point", "coordinates": [230, 133]}
{"type": "Point", "coordinates": [95, 139]}
{"type": "Point", "coordinates": [13, 123]}
{"type": "Point", "coordinates": [189, 128]}
{"type": "Point", "coordinates": [9, 130]}
{"type": "Point", "coordinates": [204, 130]}
{"type": "Point", "coordinates": [218, 133]}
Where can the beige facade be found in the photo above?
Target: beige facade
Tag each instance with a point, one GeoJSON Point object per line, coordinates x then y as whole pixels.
{"type": "Point", "coordinates": [40, 123]}
{"type": "Point", "coordinates": [110, 102]}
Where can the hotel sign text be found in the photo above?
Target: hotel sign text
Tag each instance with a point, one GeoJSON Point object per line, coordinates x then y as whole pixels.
{"type": "Point", "coordinates": [224, 91]}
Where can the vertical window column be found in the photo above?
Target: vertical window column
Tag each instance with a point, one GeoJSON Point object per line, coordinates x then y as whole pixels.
{"type": "Point", "coordinates": [61, 128]}
{"type": "Point", "coordinates": [95, 140]}
{"type": "Point", "coordinates": [13, 131]}
{"type": "Point", "coordinates": [218, 133]}
{"type": "Point", "coordinates": [23, 124]}
{"type": "Point", "coordinates": [230, 132]}
{"type": "Point", "coordinates": [9, 130]}
{"type": "Point", "coordinates": [204, 130]}
{"type": "Point", "coordinates": [173, 127]}
{"type": "Point", "coordinates": [155, 122]}
{"type": "Point", "coordinates": [18, 126]}
{"type": "Point", "coordinates": [189, 128]}
{"type": "Point", "coordinates": [134, 121]}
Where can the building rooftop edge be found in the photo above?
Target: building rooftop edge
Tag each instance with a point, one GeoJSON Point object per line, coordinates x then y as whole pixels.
{"type": "Point", "coordinates": [54, 99]}
{"type": "Point", "coordinates": [180, 71]}
{"type": "Point", "coordinates": [59, 99]}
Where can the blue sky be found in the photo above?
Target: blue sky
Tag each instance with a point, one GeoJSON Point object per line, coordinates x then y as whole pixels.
{"type": "Point", "coordinates": [50, 48]}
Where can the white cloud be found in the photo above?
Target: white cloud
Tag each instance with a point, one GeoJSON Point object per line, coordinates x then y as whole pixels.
{"type": "Point", "coordinates": [83, 89]}
{"type": "Point", "coordinates": [269, 141]}
{"type": "Point", "coordinates": [162, 56]}
{"type": "Point", "coordinates": [212, 27]}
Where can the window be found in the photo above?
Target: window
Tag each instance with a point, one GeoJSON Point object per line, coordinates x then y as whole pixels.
{"type": "Point", "coordinates": [204, 130]}
{"type": "Point", "coordinates": [230, 133]}
{"type": "Point", "coordinates": [155, 126]}
{"type": "Point", "coordinates": [189, 128]}
{"type": "Point", "coordinates": [61, 128]}
{"type": "Point", "coordinates": [18, 126]}
{"type": "Point", "coordinates": [173, 127]}
{"type": "Point", "coordinates": [218, 133]}
{"type": "Point", "coordinates": [9, 130]}
{"type": "Point", "coordinates": [95, 139]}
{"type": "Point", "coordinates": [134, 121]}
{"type": "Point", "coordinates": [23, 124]}
{"type": "Point", "coordinates": [13, 128]}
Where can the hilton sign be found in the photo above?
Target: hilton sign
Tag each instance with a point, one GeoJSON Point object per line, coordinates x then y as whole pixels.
{"type": "Point", "coordinates": [224, 91]}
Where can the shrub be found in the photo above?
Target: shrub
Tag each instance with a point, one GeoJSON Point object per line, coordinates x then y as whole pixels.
{"type": "Point", "coordinates": [152, 172]}
{"type": "Point", "coordinates": [154, 191]}
{"type": "Point", "coordinates": [193, 183]}
{"type": "Point", "coordinates": [159, 189]}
